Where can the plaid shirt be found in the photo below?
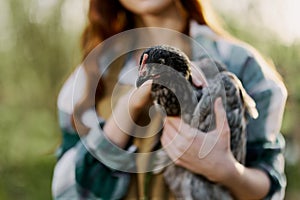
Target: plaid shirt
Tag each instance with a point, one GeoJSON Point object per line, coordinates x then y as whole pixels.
{"type": "Point", "coordinates": [82, 170]}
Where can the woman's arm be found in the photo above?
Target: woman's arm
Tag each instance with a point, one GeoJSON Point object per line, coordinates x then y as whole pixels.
{"type": "Point", "coordinates": [83, 167]}
{"type": "Point", "coordinates": [247, 183]}
{"type": "Point", "coordinates": [265, 143]}
{"type": "Point", "coordinates": [78, 173]}
{"type": "Point", "coordinates": [123, 119]}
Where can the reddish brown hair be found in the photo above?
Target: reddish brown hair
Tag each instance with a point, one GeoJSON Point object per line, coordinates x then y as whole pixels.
{"type": "Point", "coordinates": [105, 19]}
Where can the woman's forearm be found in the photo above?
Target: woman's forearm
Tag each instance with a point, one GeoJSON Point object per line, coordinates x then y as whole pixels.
{"type": "Point", "coordinates": [119, 126]}
{"type": "Point", "coordinates": [247, 183]}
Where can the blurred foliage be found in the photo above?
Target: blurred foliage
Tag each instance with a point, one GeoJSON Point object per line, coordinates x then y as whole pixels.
{"type": "Point", "coordinates": [37, 55]}
{"type": "Point", "coordinates": [35, 59]}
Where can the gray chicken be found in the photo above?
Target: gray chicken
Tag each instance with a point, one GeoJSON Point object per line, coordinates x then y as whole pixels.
{"type": "Point", "coordinates": [173, 90]}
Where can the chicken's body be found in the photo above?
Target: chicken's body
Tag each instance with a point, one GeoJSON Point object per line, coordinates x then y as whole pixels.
{"type": "Point", "coordinates": [196, 108]}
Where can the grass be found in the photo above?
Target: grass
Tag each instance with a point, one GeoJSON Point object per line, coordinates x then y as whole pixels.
{"type": "Point", "coordinates": [27, 180]}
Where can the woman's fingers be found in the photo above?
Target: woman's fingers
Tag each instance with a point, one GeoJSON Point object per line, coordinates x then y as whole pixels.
{"type": "Point", "coordinates": [177, 139]}
{"type": "Point", "coordinates": [172, 137]}
{"type": "Point", "coordinates": [183, 128]}
{"type": "Point", "coordinates": [141, 96]}
{"type": "Point", "coordinates": [222, 129]}
{"type": "Point", "coordinates": [169, 134]}
{"type": "Point", "coordinates": [170, 140]}
{"type": "Point", "coordinates": [197, 151]}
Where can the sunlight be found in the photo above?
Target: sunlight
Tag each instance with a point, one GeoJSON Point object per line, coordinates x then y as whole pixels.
{"type": "Point", "coordinates": [280, 17]}
{"type": "Point", "coordinates": [5, 27]}
{"type": "Point", "coordinates": [40, 10]}
{"type": "Point", "coordinates": [283, 18]}
{"type": "Point", "coordinates": [73, 13]}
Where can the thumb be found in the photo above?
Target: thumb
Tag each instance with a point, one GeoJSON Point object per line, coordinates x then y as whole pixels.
{"type": "Point", "coordinates": [221, 118]}
{"type": "Point", "coordinates": [222, 129]}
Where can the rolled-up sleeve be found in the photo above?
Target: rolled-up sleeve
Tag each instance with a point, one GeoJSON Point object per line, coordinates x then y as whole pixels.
{"type": "Point", "coordinates": [85, 170]}
{"type": "Point", "coordinates": [87, 167]}
{"type": "Point", "coordinates": [265, 143]}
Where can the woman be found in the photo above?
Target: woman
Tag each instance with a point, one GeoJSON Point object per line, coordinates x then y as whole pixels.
{"type": "Point", "coordinates": [84, 170]}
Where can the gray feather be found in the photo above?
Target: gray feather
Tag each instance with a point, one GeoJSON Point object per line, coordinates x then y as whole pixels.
{"type": "Point", "coordinates": [197, 110]}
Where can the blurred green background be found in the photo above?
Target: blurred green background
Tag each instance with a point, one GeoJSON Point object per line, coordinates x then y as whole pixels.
{"type": "Point", "coordinates": [39, 46]}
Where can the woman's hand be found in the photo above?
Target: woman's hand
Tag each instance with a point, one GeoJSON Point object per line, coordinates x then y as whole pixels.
{"type": "Point", "coordinates": [209, 154]}
{"type": "Point", "coordinates": [202, 153]}
{"type": "Point", "coordinates": [139, 98]}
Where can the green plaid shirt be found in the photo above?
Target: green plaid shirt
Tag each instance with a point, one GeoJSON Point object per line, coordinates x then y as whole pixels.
{"type": "Point", "coordinates": [82, 170]}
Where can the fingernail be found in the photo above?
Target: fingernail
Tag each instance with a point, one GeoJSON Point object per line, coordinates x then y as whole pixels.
{"type": "Point", "coordinates": [197, 82]}
{"type": "Point", "coordinates": [172, 120]}
{"type": "Point", "coordinates": [219, 101]}
{"type": "Point", "coordinates": [148, 82]}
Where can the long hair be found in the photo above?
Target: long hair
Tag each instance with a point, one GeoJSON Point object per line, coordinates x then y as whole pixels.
{"type": "Point", "coordinates": [107, 18]}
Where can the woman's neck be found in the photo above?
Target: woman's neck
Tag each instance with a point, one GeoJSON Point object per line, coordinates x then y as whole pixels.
{"type": "Point", "coordinates": [171, 18]}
